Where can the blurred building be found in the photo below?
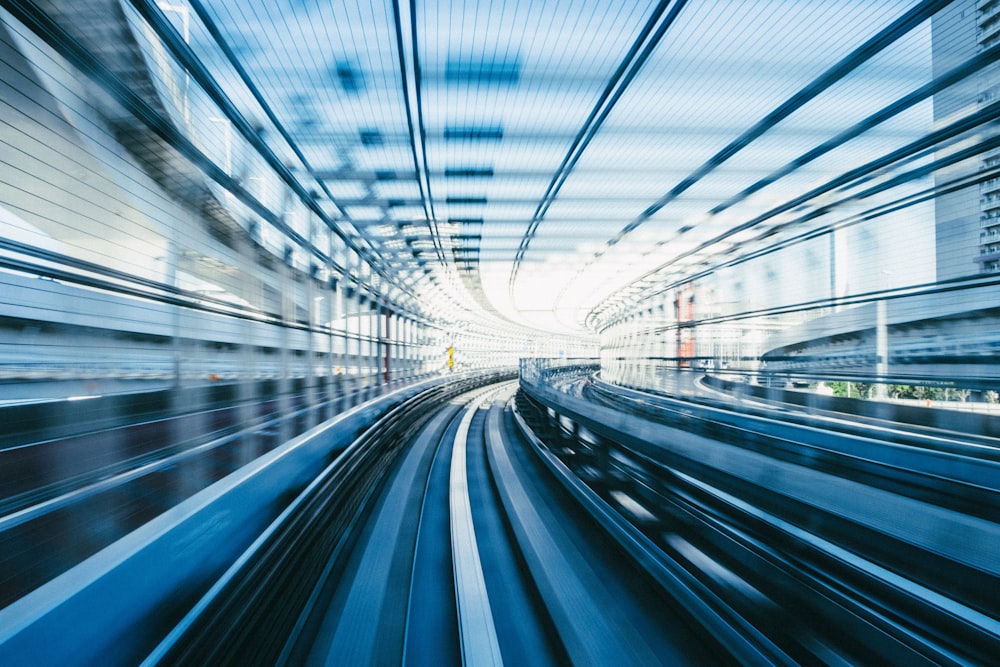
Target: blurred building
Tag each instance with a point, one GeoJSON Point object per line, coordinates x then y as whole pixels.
{"type": "Point", "coordinates": [968, 219]}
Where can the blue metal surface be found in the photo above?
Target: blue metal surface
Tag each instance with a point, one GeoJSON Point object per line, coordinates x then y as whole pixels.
{"type": "Point", "coordinates": [117, 604]}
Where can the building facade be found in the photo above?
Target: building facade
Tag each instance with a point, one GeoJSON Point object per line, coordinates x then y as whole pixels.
{"type": "Point", "coordinates": [968, 218]}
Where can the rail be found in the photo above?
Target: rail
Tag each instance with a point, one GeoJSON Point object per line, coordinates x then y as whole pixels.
{"type": "Point", "coordinates": [870, 535]}
{"type": "Point", "coordinates": [110, 605]}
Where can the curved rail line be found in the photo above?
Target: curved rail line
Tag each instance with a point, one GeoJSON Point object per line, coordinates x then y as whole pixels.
{"type": "Point", "coordinates": [465, 550]}
{"type": "Point", "coordinates": [472, 523]}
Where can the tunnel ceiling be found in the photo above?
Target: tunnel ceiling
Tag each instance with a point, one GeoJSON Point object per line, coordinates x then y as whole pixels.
{"type": "Point", "coordinates": [549, 161]}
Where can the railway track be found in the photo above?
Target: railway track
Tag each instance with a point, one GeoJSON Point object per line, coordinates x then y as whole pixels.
{"type": "Point", "coordinates": [466, 526]}
{"type": "Point", "coordinates": [465, 551]}
{"type": "Point", "coordinates": [65, 498]}
{"type": "Point", "coordinates": [830, 556]}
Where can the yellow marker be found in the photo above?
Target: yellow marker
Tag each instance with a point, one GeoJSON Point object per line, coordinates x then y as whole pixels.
{"type": "Point", "coordinates": [451, 357]}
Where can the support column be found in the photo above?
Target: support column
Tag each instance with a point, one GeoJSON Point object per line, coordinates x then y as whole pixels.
{"type": "Point", "coordinates": [311, 380]}
{"type": "Point", "coordinates": [388, 346]}
{"type": "Point", "coordinates": [881, 349]}
{"type": "Point", "coordinates": [340, 316]}
{"type": "Point", "coordinates": [405, 352]}
{"type": "Point", "coordinates": [356, 332]}
{"type": "Point", "coordinates": [352, 326]}
{"type": "Point", "coordinates": [381, 373]}
{"type": "Point", "coordinates": [284, 383]}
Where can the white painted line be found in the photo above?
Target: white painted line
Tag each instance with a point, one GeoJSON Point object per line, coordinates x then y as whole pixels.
{"type": "Point", "coordinates": [475, 618]}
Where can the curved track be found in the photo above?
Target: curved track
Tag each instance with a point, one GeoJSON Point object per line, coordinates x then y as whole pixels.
{"type": "Point", "coordinates": [457, 523]}
{"type": "Point", "coordinates": [836, 545]}
{"type": "Point", "coordinates": [465, 550]}
{"type": "Point", "coordinates": [66, 497]}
